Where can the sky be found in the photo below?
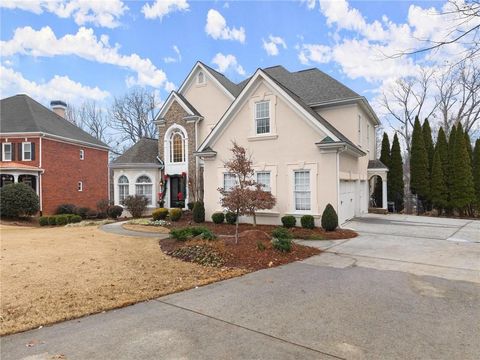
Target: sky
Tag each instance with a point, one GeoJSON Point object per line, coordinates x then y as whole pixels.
{"type": "Point", "coordinates": [81, 50]}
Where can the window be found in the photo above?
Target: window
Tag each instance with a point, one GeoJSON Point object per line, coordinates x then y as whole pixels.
{"type": "Point", "coordinates": [177, 148]}
{"type": "Point", "coordinates": [7, 152]}
{"type": "Point", "coordinates": [143, 187]}
{"type": "Point", "coordinates": [122, 188]}
{"type": "Point", "coordinates": [262, 117]}
{"type": "Point", "coordinates": [263, 178]}
{"type": "Point", "coordinates": [302, 190]}
{"type": "Point", "coordinates": [229, 181]}
{"type": "Point", "coordinates": [82, 154]}
{"type": "Point", "coordinates": [27, 151]}
{"type": "Point", "coordinates": [201, 78]}
{"type": "Point", "coordinates": [80, 186]}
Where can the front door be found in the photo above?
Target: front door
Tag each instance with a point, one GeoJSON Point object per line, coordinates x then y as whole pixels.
{"type": "Point", "coordinates": [177, 191]}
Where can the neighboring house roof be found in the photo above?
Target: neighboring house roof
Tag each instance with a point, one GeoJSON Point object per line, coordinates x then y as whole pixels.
{"type": "Point", "coordinates": [376, 164]}
{"type": "Point", "coordinates": [145, 151]}
{"type": "Point", "coordinates": [22, 114]}
{"type": "Point", "coordinates": [233, 88]}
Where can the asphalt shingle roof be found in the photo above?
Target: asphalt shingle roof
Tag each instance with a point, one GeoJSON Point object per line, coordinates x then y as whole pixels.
{"type": "Point", "coordinates": [376, 164]}
{"type": "Point", "coordinates": [233, 88]}
{"type": "Point", "coordinates": [20, 113]}
{"type": "Point", "coordinates": [190, 106]}
{"type": "Point", "coordinates": [145, 151]}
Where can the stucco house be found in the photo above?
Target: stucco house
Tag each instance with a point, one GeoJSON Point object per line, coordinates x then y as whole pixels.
{"type": "Point", "coordinates": [312, 141]}
{"type": "Point", "coordinates": [60, 161]}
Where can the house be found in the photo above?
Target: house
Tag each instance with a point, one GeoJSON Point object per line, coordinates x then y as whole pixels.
{"type": "Point", "coordinates": [60, 161]}
{"type": "Point", "coordinates": [312, 141]}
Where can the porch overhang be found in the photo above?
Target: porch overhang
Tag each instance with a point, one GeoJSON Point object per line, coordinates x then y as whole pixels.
{"type": "Point", "coordinates": [205, 153]}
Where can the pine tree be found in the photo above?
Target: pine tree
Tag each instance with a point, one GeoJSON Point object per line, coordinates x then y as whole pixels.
{"type": "Point", "coordinates": [385, 159]}
{"type": "Point", "coordinates": [419, 179]}
{"type": "Point", "coordinates": [438, 187]}
{"type": "Point", "coordinates": [476, 172]}
{"type": "Point", "coordinates": [442, 148]}
{"type": "Point", "coordinates": [450, 173]}
{"type": "Point", "coordinates": [462, 189]}
{"type": "Point", "coordinates": [468, 143]}
{"type": "Point", "coordinates": [427, 139]}
{"type": "Point", "coordinates": [396, 186]}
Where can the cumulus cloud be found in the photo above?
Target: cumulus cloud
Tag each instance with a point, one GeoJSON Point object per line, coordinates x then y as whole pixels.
{"type": "Point", "coordinates": [226, 63]}
{"type": "Point", "coordinates": [217, 28]}
{"type": "Point", "coordinates": [58, 87]}
{"type": "Point", "coordinates": [310, 3]}
{"type": "Point", "coordinates": [171, 59]}
{"type": "Point", "coordinates": [161, 8]}
{"type": "Point", "coordinates": [314, 53]}
{"type": "Point", "coordinates": [105, 13]}
{"type": "Point", "coordinates": [274, 42]}
{"type": "Point", "coordinates": [86, 45]}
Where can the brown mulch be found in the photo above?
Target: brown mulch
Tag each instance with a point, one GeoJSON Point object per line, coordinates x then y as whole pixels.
{"type": "Point", "coordinates": [246, 254]}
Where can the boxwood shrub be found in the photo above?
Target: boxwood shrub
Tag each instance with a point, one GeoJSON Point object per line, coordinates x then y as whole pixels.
{"type": "Point", "coordinates": [115, 211]}
{"type": "Point", "coordinates": [18, 200]}
{"type": "Point", "coordinates": [307, 221]}
{"type": "Point", "coordinates": [175, 214]}
{"type": "Point", "coordinates": [289, 221]}
{"type": "Point", "coordinates": [43, 220]}
{"type": "Point", "coordinates": [160, 214]}
{"type": "Point", "coordinates": [218, 217]}
{"type": "Point", "coordinates": [199, 212]}
{"type": "Point", "coordinates": [231, 217]}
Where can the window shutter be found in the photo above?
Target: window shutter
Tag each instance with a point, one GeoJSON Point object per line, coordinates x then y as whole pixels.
{"type": "Point", "coordinates": [33, 150]}
{"type": "Point", "coordinates": [20, 152]}
{"type": "Point", "coordinates": [13, 151]}
{"type": "Point", "coordinates": [1, 151]}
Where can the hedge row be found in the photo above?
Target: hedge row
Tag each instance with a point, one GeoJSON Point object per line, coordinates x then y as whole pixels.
{"type": "Point", "coordinates": [62, 219]}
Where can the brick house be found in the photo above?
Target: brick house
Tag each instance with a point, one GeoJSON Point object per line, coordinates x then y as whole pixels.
{"type": "Point", "coordinates": [60, 161]}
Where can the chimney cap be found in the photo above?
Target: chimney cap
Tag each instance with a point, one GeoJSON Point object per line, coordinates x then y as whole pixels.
{"type": "Point", "coordinates": [58, 103]}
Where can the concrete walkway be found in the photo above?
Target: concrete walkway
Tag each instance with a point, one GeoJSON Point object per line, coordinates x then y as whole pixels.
{"type": "Point", "coordinates": [363, 298]}
{"type": "Point", "coordinates": [116, 228]}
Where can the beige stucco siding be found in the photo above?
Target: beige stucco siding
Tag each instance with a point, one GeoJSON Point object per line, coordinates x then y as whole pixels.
{"type": "Point", "coordinates": [292, 147]}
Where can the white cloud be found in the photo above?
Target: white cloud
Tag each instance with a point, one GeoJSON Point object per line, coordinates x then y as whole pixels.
{"type": "Point", "coordinates": [314, 53]}
{"type": "Point", "coordinates": [161, 8]}
{"type": "Point", "coordinates": [171, 59]}
{"type": "Point", "coordinates": [217, 28]}
{"type": "Point", "coordinates": [84, 44]}
{"type": "Point", "coordinates": [58, 87]}
{"type": "Point", "coordinates": [227, 62]}
{"type": "Point", "coordinates": [310, 3]}
{"type": "Point", "coordinates": [105, 13]}
{"type": "Point", "coordinates": [271, 46]}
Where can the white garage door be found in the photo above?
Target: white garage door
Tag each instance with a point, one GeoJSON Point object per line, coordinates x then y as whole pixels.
{"type": "Point", "coordinates": [347, 201]}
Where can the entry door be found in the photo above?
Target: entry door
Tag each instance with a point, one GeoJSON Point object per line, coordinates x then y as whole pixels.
{"type": "Point", "coordinates": [177, 186]}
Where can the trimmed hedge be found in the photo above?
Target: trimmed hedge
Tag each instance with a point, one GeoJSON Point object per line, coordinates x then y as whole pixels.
{"type": "Point", "coordinates": [329, 218]}
{"type": "Point", "coordinates": [160, 214]}
{"type": "Point", "coordinates": [17, 200]}
{"type": "Point", "coordinates": [289, 221]}
{"type": "Point", "coordinates": [43, 221]}
{"type": "Point", "coordinates": [65, 209]}
{"type": "Point", "coordinates": [175, 214]}
{"type": "Point", "coordinates": [307, 221]}
{"type": "Point", "coordinates": [62, 219]}
{"type": "Point", "coordinates": [115, 211]}
{"type": "Point", "coordinates": [218, 217]}
{"type": "Point", "coordinates": [199, 212]}
{"type": "Point", "coordinates": [231, 217]}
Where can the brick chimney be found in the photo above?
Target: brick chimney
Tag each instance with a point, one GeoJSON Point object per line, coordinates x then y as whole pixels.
{"type": "Point", "coordinates": [59, 107]}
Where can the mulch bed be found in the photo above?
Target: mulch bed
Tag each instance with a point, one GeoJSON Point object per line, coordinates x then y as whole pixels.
{"type": "Point", "coordinates": [246, 253]}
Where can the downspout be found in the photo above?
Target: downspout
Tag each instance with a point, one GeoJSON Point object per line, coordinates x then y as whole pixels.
{"type": "Point", "coordinates": [196, 160]}
{"type": "Point", "coordinates": [40, 188]}
{"type": "Point", "coordinates": [344, 148]}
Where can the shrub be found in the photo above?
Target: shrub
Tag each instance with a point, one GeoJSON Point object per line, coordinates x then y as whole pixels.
{"type": "Point", "coordinates": [160, 214]}
{"type": "Point", "coordinates": [65, 209]}
{"type": "Point", "coordinates": [180, 234]}
{"type": "Point", "coordinates": [81, 211]}
{"type": "Point", "coordinates": [175, 214]}
{"type": "Point", "coordinates": [61, 219]}
{"type": "Point", "coordinates": [281, 233]}
{"type": "Point", "coordinates": [72, 218]}
{"type": "Point", "coordinates": [183, 234]}
{"type": "Point", "coordinates": [91, 214]}
{"type": "Point", "coordinates": [231, 217]}
{"type": "Point", "coordinates": [191, 205]}
{"type": "Point", "coordinates": [52, 220]}
{"type": "Point", "coordinates": [17, 200]}
{"type": "Point", "coordinates": [103, 205]}
{"type": "Point", "coordinates": [102, 215]}
{"type": "Point", "coordinates": [283, 245]}
{"type": "Point", "coordinates": [115, 211]}
{"type": "Point", "coordinates": [199, 212]}
{"type": "Point", "coordinates": [289, 221]}
{"type": "Point", "coordinates": [307, 221]}
{"type": "Point", "coordinates": [43, 221]}
{"type": "Point", "coordinates": [261, 246]}
{"type": "Point", "coordinates": [329, 218]}
{"type": "Point", "coordinates": [136, 205]}
{"type": "Point", "coordinates": [218, 217]}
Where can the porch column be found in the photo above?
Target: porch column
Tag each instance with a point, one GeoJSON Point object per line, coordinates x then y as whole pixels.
{"type": "Point", "coordinates": [15, 178]}
{"type": "Point", "coordinates": [384, 193]}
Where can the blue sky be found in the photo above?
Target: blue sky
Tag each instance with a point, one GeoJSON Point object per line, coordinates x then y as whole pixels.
{"type": "Point", "coordinates": [339, 37]}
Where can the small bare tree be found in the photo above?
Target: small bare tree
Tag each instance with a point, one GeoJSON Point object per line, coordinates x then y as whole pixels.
{"type": "Point", "coordinates": [133, 114]}
{"type": "Point", "coordinates": [259, 199]}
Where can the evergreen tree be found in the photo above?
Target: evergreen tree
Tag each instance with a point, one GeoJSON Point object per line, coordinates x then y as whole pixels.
{"type": "Point", "coordinates": [468, 143]}
{"type": "Point", "coordinates": [450, 167]}
{"type": "Point", "coordinates": [438, 187]}
{"type": "Point", "coordinates": [462, 189]}
{"type": "Point", "coordinates": [419, 179]}
{"type": "Point", "coordinates": [476, 172]}
{"type": "Point", "coordinates": [396, 186]}
{"type": "Point", "coordinates": [442, 148]}
{"type": "Point", "coordinates": [385, 159]}
{"type": "Point", "coordinates": [427, 139]}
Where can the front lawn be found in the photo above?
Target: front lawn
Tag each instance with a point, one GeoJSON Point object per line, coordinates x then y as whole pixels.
{"type": "Point", "coordinates": [54, 274]}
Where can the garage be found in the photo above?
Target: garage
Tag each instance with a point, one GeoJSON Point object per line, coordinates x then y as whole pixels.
{"type": "Point", "coordinates": [347, 201]}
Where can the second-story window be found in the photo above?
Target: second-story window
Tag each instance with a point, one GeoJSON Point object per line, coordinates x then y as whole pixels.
{"type": "Point", "coordinates": [80, 186]}
{"type": "Point", "coordinates": [262, 117]}
{"type": "Point", "coordinates": [26, 151]}
{"type": "Point", "coordinates": [201, 78]}
{"type": "Point", "coordinates": [82, 154]}
{"type": "Point", "coordinates": [6, 152]}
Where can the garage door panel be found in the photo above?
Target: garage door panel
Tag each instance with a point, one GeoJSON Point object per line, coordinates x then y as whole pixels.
{"type": "Point", "coordinates": [347, 201]}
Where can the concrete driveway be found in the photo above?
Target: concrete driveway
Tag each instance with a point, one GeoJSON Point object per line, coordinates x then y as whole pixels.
{"type": "Point", "coordinates": [407, 288]}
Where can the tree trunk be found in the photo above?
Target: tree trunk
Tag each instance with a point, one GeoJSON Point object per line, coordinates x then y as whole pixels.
{"type": "Point", "coordinates": [254, 219]}
{"type": "Point", "coordinates": [236, 230]}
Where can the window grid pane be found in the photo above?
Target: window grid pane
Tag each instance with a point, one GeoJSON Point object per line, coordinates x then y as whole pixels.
{"type": "Point", "coordinates": [27, 151]}
{"type": "Point", "coordinates": [122, 192]}
{"type": "Point", "coordinates": [262, 117]}
{"type": "Point", "coordinates": [302, 190]}
{"type": "Point", "coordinates": [229, 181]}
{"type": "Point", "coordinates": [144, 190]}
{"type": "Point", "coordinates": [177, 148]}
{"type": "Point", "coordinates": [263, 178]}
{"type": "Point", "coordinates": [7, 152]}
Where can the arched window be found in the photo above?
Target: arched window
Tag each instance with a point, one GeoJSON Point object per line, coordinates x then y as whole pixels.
{"type": "Point", "coordinates": [143, 187]}
{"type": "Point", "coordinates": [177, 148]}
{"type": "Point", "coordinates": [201, 77]}
{"type": "Point", "coordinates": [122, 188]}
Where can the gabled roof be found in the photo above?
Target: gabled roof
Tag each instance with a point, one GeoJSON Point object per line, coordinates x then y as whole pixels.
{"type": "Point", "coordinates": [376, 164]}
{"type": "Point", "coordinates": [233, 88]}
{"type": "Point", "coordinates": [189, 108]}
{"type": "Point", "coordinates": [145, 151]}
{"type": "Point", "coordinates": [22, 114]}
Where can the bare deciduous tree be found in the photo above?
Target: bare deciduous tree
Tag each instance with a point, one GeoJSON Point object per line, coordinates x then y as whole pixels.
{"type": "Point", "coordinates": [90, 117]}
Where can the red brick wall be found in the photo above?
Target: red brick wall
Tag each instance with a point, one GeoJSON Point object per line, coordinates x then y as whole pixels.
{"type": "Point", "coordinates": [18, 157]}
{"type": "Point", "coordinates": [64, 169]}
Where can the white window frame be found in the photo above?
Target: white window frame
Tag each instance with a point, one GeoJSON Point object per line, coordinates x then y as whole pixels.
{"type": "Point", "coordinates": [123, 187]}
{"type": "Point", "coordinates": [80, 186]}
{"type": "Point", "coordinates": [147, 185]}
{"type": "Point", "coordinates": [3, 151]}
{"type": "Point", "coordinates": [297, 191]}
{"type": "Point", "coordinates": [263, 118]}
{"type": "Point", "coordinates": [203, 80]}
{"type": "Point", "coordinates": [82, 154]}
{"type": "Point", "coordinates": [23, 151]}
{"type": "Point", "coordinates": [265, 187]}
{"type": "Point", "coordinates": [182, 138]}
{"type": "Point", "coordinates": [230, 176]}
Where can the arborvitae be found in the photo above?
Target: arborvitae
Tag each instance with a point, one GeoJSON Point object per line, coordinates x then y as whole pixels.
{"type": "Point", "coordinates": [395, 175]}
{"type": "Point", "coordinates": [468, 143]}
{"type": "Point", "coordinates": [385, 159]}
{"type": "Point", "coordinates": [462, 190]}
{"type": "Point", "coordinates": [442, 148]}
{"type": "Point", "coordinates": [451, 167]}
{"type": "Point", "coordinates": [438, 188]}
{"type": "Point", "coordinates": [476, 172]}
{"type": "Point", "coordinates": [419, 179]}
{"type": "Point", "coordinates": [427, 139]}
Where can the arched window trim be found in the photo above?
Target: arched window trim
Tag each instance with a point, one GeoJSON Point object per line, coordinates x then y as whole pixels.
{"type": "Point", "coordinates": [168, 141]}
{"type": "Point", "coordinates": [144, 187]}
